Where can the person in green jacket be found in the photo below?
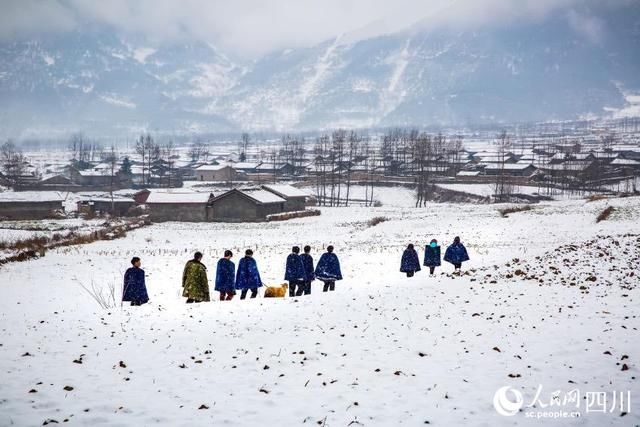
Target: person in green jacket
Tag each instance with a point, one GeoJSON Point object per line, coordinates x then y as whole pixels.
{"type": "Point", "coordinates": [194, 280]}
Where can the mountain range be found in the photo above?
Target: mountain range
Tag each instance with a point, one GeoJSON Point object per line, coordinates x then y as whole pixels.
{"type": "Point", "coordinates": [101, 82]}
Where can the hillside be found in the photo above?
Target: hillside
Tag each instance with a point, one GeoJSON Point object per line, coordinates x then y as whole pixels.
{"type": "Point", "coordinates": [556, 68]}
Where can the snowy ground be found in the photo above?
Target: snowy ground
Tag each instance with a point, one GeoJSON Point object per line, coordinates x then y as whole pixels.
{"type": "Point", "coordinates": [10, 231]}
{"type": "Point", "coordinates": [381, 350]}
{"type": "Point", "coordinates": [487, 189]}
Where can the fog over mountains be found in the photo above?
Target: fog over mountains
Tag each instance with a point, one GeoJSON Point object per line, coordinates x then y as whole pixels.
{"type": "Point", "coordinates": [567, 65]}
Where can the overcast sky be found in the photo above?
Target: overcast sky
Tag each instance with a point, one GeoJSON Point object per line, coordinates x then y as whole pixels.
{"type": "Point", "coordinates": [253, 27]}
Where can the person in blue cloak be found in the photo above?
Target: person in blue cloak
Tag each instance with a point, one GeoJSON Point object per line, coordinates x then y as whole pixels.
{"type": "Point", "coordinates": [328, 270]}
{"type": "Point", "coordinates": [134, 288]}
{"type": "Point", "coordinates": [456, 254]}
{"type": "Point", "coordinates": [226, 277]}
{"type": "Point", "coordinates": [307, 262]}
{"type": "Point", "coordinates": [248, 277]}
{"type": "Point", "coordinates": [432, 256]}
{"type": "Point", "coordinates": [294, 272]}
{"type": "Point", "coordinates": [410, 263]}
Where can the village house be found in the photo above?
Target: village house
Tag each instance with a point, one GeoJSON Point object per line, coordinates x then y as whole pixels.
{"type": "Point", "coordinates": [216, 173]}
{"type": "Point", "coordinates": [30, 205]}
{"type": "Point", "coordinates": [116, 207]}
{"type": "Point", "coordinates": [173, 206]}
{"type": "Point", "coordinates": [278, 169]}
{"type": "Point", "coordinates": [510, 169]}
{"type": "Point", "coordinates": [563, 157]}
{"type": "Point", "coordinates": [488, 157]}
{"type": "Point", "coordinates": [295, 199]}
{"type": "Point", "coordinates": [467, 175]}
{"type": "Point", "coordinates": [573, 168]}
{"type": "Point", "coordinates": [246, 205]}
{"type": "Point", "coordinates": [94, 178]}
{"type": "Point", "coordinates": [627, 164]}
{"type": "Point", "coordinates": [55, 182]}
{"type": "Point", "coordinates": [246, 167]}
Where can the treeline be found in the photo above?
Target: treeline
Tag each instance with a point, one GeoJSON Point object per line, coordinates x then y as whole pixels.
{"type": "Point", "coordinates": [343, 157]}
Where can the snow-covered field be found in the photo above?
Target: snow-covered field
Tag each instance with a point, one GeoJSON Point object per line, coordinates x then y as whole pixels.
{"type": "Point", "coordinates": [487, 189]}
{"type": "Point", "coordinates": [381, 350]}
{"type": "Point", "coordinates": [11, 231]}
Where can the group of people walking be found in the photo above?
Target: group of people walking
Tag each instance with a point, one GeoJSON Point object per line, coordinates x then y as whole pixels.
{"type": "Point", "coordinates": [455, 254]}
{"type": "Point", "coordinates": [299, 272]}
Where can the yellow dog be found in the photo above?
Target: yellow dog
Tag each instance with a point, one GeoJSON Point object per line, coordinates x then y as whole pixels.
{"type": "Point", "coordinates": [276, 291]}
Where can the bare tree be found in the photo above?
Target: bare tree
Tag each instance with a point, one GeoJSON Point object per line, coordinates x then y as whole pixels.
{"type": "Point", "coordinates": [353, 146]}
{"type": "Point", "coordinates": [112, 159]}
{"type": "Point", "coordinates": [457, 146]}
{"type": "Point", "coordinates": [502, 186]}
{"type": "Point", "coordinates": [320, 153]}
{"type": "Point", "coordinates": [422, 152]}
{"type": "Point", "coordinates": [338, 139]}
{"type": "Point", "coordinates": [168, 153]}
{"type": "Point", "coordinates": [245, 140]}
{"type": "Point", "coordinates": [197, 151]}
{"type": "Point", "coordinates": [13, 161]}
{"type": "Point", "coordinates": [141, 150]}
{"type": "Point", "coordinates": [369, 170]}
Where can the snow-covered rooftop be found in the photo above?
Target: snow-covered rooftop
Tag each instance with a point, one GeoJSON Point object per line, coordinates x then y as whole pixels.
{"type": "Point", "coordinates": [285, 190]}
{"type": "Point", "coordinates": [109, 200]}
{"type": "Point", "coordinates": [626, 162]}
{"type": "Point", "coordinates": [263, 196]}
{"type": "Point", "coordinates": [211, 167]}
{"type": "Point", "coordinates": [573, 165]}
{"type": "Point", "coordinates": [508, 166]}
{"type": "Point", "coordinates": [170, 198]}
{"type": "Point", "coordinates": [104, 173]}
{"type": "Point", "coordinates": [31, 196]}
{"type": "Point", "coordinates": [246, 165]}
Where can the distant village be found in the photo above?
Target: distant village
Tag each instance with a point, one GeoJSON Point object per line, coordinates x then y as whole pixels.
{"type": "Point", "coordinates": [272, 180]}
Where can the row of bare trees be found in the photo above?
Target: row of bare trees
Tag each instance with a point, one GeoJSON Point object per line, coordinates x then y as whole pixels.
{"type": "Point", "coordinates": [13, 161]}
{"type": "Point", "coordinates": [84, 151]}
{"type": "Point", "coordinates": [158, 160]}
{"type": "Point", "coordinates": [339, 160]}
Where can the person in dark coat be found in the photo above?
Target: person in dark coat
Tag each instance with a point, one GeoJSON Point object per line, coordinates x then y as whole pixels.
{"type": "Point", "coordinates": [294, 272]}
{"type": "Point", "coordinates": [456, 254]}
{"type": "Point", "coordinates": [307, 262]}
{"type": "Point", "coordinates": [226, 277]}
{"type": "Point", "coordinates": [134, 288]}
{"type": "Point", "coordinates": [248, 276]}
{"type": "Point", "coordinates": [432, 256]}
{"type": "Point", "coordinates": [410, 263]}
{"type": "Point", "coordinates": [194, 280]}
{"type": "Point", "coordinates": [328, 270]}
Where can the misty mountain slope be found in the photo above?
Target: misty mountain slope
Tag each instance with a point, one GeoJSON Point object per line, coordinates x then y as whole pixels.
{"type": "Point", "coordinates": [566, 66]}
{"type": "Point", "coordinates": [541, 71]}
{"type": "Point", "coordinates": [99, 79]}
